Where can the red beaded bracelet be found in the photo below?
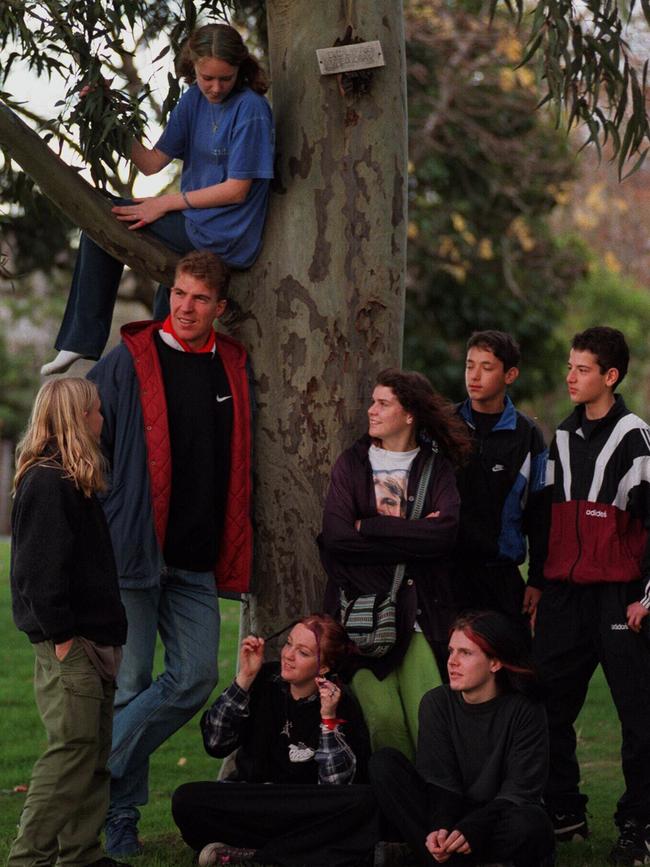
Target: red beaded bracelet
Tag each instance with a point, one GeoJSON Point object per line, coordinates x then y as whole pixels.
{"type": "Point", "coordinates": [331, 722]}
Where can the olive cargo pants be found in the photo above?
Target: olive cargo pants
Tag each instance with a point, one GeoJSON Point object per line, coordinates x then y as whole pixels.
{"type": "Point", "coordinates": [68, 793]}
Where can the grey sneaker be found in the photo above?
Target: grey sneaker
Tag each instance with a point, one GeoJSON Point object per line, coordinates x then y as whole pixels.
{"type": "Point", "coordinates": [222, 853]}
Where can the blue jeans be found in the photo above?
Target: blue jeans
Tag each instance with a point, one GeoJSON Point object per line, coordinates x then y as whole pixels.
{"type": "Point", "coordinates": [95, 281]}
{"type": "Point", "coordinates": [184, 609]}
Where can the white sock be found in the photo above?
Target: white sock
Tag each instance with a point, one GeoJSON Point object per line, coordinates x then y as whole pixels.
{"type": "Point", "coordinates": [61, 363]}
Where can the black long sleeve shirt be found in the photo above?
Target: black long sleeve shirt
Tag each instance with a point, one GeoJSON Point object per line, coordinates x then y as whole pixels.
{"type": "Point", "coordinates": [478, 758]}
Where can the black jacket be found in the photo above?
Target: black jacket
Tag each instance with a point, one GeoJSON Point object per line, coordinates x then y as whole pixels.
{"type": "Point", "coordinates": [63, 575]}
{"type": "Point", "coordinates": [363, 561]}
{"type": "Point", "coordinates": [501, 491]}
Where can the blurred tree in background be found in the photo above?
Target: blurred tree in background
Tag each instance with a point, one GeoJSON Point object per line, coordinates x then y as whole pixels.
{"type": "Point", "coordinates": [486, 172]}
{"type": "Point", "coordinates": [605, 297]}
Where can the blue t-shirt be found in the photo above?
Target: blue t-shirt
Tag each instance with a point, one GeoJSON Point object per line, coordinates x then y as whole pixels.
{"type": "Point", "coordinates": [234, 139]}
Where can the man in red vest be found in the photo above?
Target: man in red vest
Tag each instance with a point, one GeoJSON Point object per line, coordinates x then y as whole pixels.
{"type": "Point", "coordinates": [177, 433]}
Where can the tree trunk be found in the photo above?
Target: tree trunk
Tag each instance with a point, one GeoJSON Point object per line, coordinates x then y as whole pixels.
{"type": "Point", "coordinates": [81, 203]}
{"type": "Point", "coordinates": [323, 306]}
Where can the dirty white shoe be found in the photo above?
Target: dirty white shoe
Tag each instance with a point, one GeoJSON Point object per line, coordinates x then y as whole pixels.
{"type": "Point", "coordinates": [222, 853]}
{"type": "Point", "coordinates": [61, 363]}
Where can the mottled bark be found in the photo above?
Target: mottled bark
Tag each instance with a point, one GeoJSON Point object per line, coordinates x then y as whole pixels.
{"type": "Point", "coordinates": [81, 203]}
{"type": "Point", "coordinates": [322, 309]}
{"type": "Point", "coordinates": [323, 306]}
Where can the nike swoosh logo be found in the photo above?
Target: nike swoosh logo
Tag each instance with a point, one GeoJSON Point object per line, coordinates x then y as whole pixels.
{"type": "Point", "coordinates": [221, 399]}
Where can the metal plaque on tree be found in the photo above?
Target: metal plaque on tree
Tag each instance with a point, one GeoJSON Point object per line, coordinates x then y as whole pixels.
{"type": "Point", "coordinates": [347, 58]}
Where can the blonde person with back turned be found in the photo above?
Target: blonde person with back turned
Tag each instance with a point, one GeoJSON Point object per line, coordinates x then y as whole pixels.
{"type": "Point", "coordinates": [66, 599]}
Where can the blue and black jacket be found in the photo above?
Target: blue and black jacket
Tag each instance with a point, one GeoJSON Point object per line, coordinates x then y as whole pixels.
{"type": "Point", "coordinates": [501, 489]}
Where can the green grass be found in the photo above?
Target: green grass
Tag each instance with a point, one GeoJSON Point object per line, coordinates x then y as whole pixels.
{"type": "Point", "coordinates": [182, 758]}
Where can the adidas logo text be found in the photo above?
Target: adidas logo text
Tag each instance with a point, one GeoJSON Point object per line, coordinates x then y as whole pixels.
{"type": "Point", "coordinates": [596, 513]}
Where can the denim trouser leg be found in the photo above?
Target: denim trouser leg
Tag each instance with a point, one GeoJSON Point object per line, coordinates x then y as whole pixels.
{"type": "Point", "coordinates": [185, 611]}
{"type": "Point", "coordinates": [89, 310]}
{"type": "Point", "coordinates": [96, 279]}
{"type": "Point", "coordinates": [160, 304]}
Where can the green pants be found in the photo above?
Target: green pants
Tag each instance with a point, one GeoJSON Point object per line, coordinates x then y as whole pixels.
{"type": "Point", "coordinates": [391, 706]}
{"type": "Point", "coordinates": [68, 793]}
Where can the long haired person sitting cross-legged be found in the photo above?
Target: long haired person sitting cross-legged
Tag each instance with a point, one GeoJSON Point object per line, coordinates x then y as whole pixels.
{"type": "Point", "coordinates": [301, 743]}
{"type": "Point", "coordinates": [475, 793]}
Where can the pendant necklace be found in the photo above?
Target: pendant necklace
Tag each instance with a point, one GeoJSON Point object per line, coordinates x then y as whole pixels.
{"type": "Point", "coordinates": [299, 752]}
{"type": "Point", "coordinates": [216, 120]}
{"type": "Point", "coordinates": [288, 725]}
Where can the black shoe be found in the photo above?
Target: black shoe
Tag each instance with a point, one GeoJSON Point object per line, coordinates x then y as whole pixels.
{"type": "Point", "coordinates": [632, 846]}
{"type": "Point", "coordinates": [570, 827]}
{"type": "Point", "coordinates": [108, 862]}
{"type": "Point", "coordinates": [121, 838]}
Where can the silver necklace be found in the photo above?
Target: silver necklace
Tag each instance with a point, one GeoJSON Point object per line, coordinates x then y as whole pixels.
{"type": "Point", "coordinates": [216, 120]}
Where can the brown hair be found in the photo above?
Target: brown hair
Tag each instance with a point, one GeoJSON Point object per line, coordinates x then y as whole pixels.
{"type": "Point", "coordinates": [57, 435]}
{"type": "Point", "coordinates": [208, 268]}
{"type": "Point", "coordinates": [435, 417]}
{"type": "Point", "coordinates": [222, 42]}
{"type": "Point", "coordinates": [506, 639]}
{"type": "Point", "coordinates": [334, 646]}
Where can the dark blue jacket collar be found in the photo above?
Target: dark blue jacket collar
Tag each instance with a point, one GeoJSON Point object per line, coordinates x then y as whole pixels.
{"type": "Point", "coordinates": [508, 420]}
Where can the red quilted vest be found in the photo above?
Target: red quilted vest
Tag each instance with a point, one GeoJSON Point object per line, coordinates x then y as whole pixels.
{"type": "Point", "coordinates": [234, 567]}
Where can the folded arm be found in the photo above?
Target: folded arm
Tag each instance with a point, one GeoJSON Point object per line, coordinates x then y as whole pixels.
{"type": "Point", "coordinates": [383, 538]}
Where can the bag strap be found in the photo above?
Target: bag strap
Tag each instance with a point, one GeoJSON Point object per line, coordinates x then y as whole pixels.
{"type": "Point", "coordinates": [423, 484]}
{"type": "Point", "coordinates": [422, 489]}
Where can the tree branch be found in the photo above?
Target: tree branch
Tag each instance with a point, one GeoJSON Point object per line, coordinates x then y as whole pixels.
{"type": "Point", "coordinates": [81, 203]}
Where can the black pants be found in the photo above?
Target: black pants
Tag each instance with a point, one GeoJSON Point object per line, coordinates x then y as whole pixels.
{"type": "Point", "coordinates": [522, 834]}
{"type": "Point", "coordinates": [579, 626]}
{"type": "Point", "coordinates": [287, 824]}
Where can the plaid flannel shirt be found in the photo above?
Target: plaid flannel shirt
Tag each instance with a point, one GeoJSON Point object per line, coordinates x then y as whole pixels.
{"type": "Point", "coordinates": [334, 757]}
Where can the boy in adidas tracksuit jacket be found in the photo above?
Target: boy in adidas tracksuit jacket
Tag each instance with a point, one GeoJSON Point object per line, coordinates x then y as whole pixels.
{"type": "Point", "coordinates": [595, 603]}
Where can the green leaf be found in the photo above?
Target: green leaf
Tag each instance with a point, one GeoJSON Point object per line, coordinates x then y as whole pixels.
{"type": "Point", "coordinates": [162, 54]}
{"type": "Point", "coordinates": [637, 165]}
{"type": "Point", "coordinates": [625, 146]}
{"type": "Point", "coordinates": [612, 130]}
{"type": "Point", "coordinates": [531, 49]}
